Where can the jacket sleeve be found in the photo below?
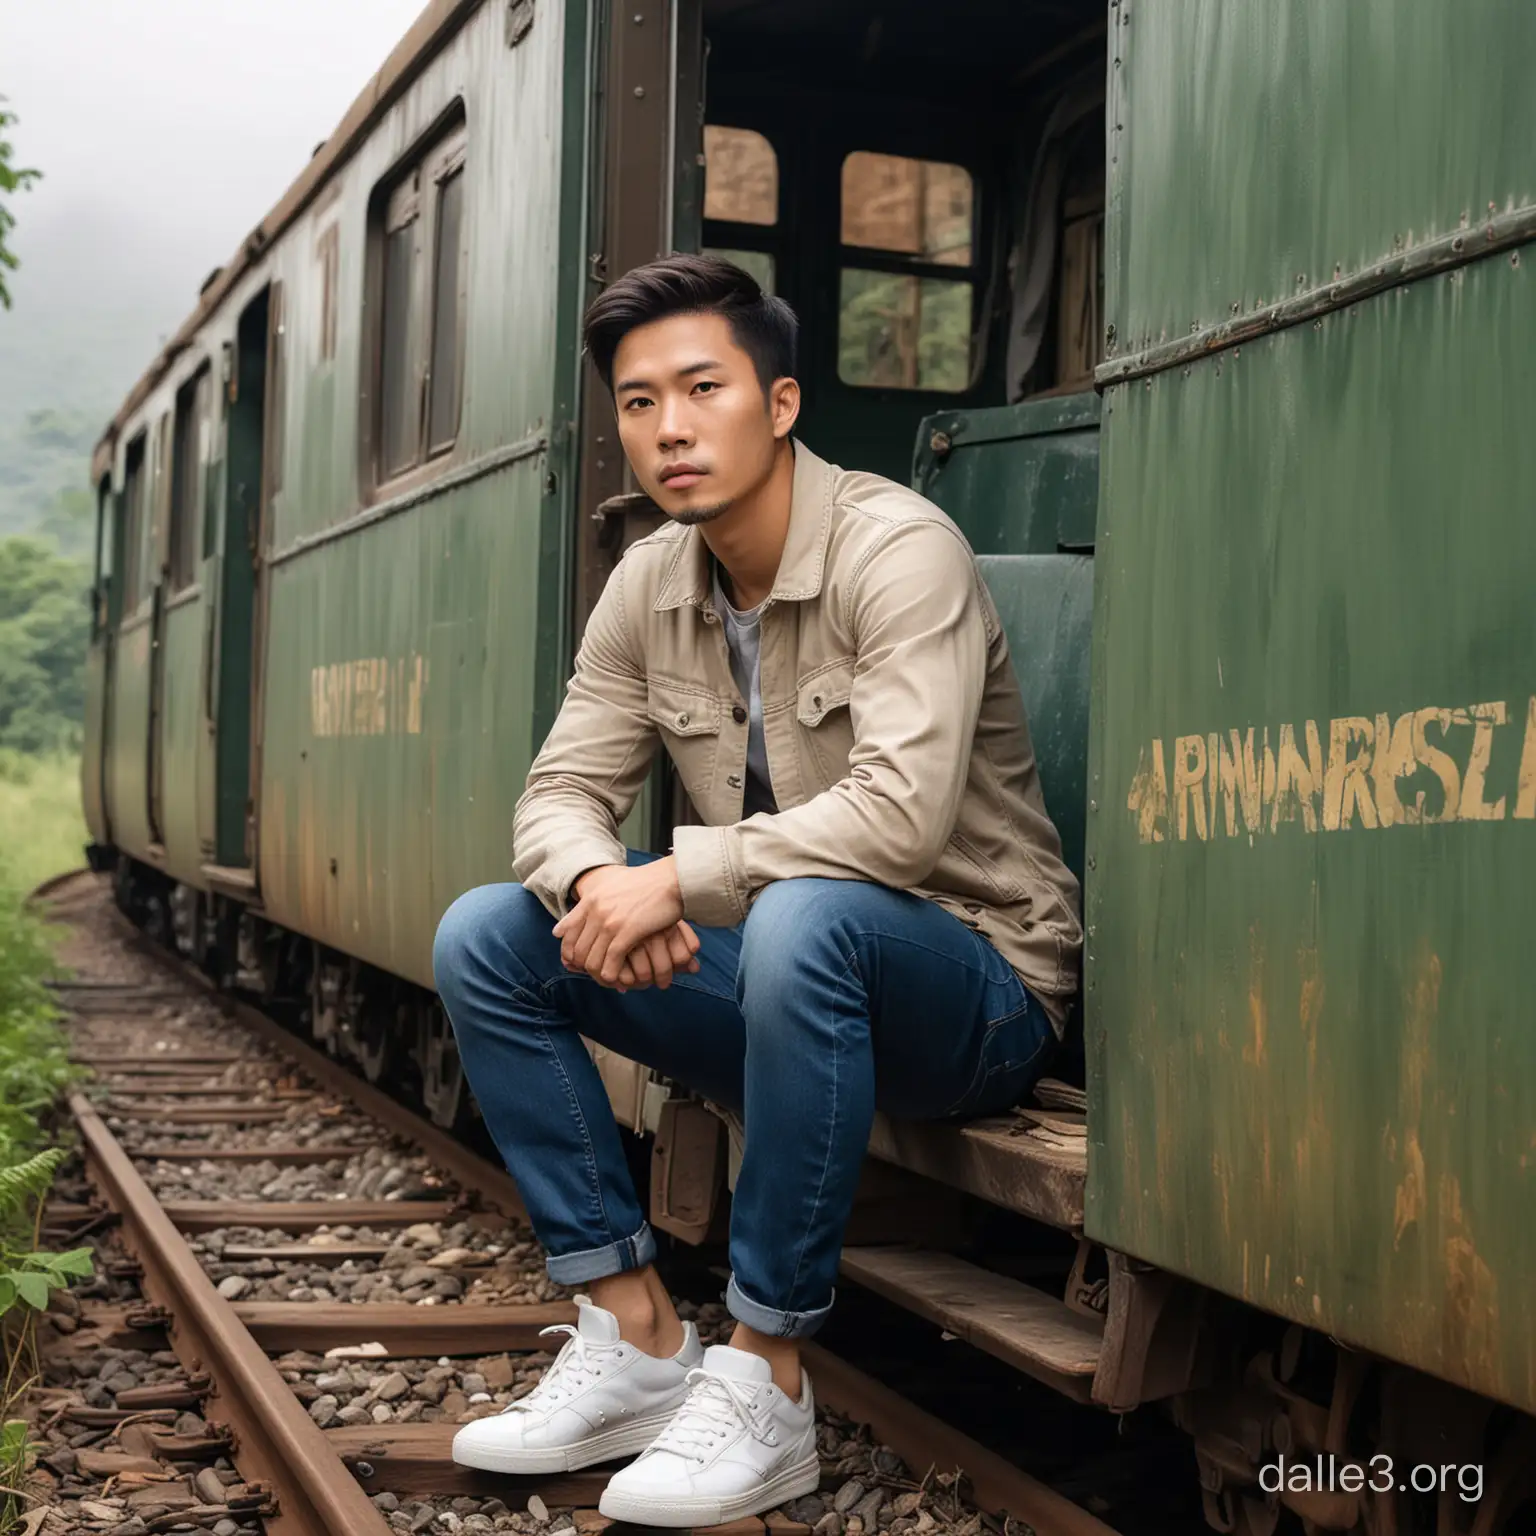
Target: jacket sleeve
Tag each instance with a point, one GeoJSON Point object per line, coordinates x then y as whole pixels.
{"type": "Point", "coordinates": [920, 633]}
{"type": "Point", "coordinates": [593, 763]}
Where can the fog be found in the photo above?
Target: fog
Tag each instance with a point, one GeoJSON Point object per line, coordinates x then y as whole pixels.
{"type": "Point", "coordinates": [165, 130]}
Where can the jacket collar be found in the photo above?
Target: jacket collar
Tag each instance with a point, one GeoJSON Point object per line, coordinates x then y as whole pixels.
{"type": "Point", "coordinates": [803, 563]}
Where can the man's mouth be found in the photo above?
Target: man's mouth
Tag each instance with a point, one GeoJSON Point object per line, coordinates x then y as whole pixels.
{"type": "Point", "coordinates": [678, 477]}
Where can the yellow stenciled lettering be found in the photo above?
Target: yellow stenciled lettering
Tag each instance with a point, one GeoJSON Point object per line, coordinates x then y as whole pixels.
{"type": "Point", "coordinates": [1440, 763]}
{"type": "Point", "coordinates": [1240, 783]}
{"type": "Point", "coordinates": [1299, 778]}
{"type": "Point", "coordinates": [1188, 782]}
{"type": "Point", "coordinates": [1393, 760]}
{"type": "Point", "coordinates": [1473, 807]}
{"type": "Point", "coordinates": [1148, 797]}
{"type": "Point", "coordinates": [1525, 786]}
{"type": "Point", "coordinates": [1345, 786]}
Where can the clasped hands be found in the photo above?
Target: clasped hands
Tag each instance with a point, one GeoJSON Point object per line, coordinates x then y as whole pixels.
{"type": "Point", "coordinates": [626, 929]}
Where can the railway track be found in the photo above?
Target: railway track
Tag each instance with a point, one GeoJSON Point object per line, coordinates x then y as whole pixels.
{"type": "Point", "coordinates": [309, 1288]}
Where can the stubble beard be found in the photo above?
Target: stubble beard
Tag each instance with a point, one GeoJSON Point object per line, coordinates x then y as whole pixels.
{"type": "Point", "coordinates": [697, 515]}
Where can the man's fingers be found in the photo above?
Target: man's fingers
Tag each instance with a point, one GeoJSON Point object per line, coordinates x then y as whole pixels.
{"type": "Point", "coordinates": [690, 938]}
{"type": "Point", "coordinates": [639, 961]}
{"type": "Point", "coordinates": [659, 958]}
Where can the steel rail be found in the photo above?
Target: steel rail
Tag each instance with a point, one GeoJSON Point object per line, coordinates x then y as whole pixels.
{"type": "Point", "coordinates": [275, 1439]}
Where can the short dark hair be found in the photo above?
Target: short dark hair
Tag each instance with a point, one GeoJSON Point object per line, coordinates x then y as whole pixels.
{"type": "Point", "coordinates": [763, 326]}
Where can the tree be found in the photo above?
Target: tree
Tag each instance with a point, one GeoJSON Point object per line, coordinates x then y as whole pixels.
{"type": "Point", "coordinates": [44, 628]}
{"type": "Point", "coordinates": [11, 180]}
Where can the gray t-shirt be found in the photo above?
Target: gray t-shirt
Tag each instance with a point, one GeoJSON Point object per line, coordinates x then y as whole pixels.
{"type": "Point", "coordinates": [741, 638]}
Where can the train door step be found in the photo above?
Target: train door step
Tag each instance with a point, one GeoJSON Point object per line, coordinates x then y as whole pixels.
{"type": "Point", "coordinates": [1034, 1332]}
{"type": "Point", "coordinates": [1005, 1159]}
{"type": "Point", "coordinates": [230, 880]}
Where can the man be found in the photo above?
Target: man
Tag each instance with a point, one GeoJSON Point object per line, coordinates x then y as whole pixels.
{"type": "Point", "coordinates": [875, 913]}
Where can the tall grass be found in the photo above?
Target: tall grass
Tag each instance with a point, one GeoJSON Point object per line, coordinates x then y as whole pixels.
{"type": "Point", "coordinates": [38, 823]}
{"type": "Point", "coordinates": [42, 826]}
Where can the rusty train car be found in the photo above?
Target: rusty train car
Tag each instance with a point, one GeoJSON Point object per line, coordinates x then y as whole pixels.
{"type": "Point", "coordinates": [1213, 328]}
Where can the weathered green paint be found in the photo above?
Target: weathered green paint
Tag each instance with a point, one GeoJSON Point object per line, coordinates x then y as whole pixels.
{"type": "Point", "coordinates": [1018, 479]}
{"type": "Point", "coordinates": [403, 653]}
{"type": "Point", "coordinates": [127, 776]}
{"type": "Point", "coordinates": [1259, 150]}
{"type": "Point", "coordinates": [181, 730]}
{"type": "Point", "coordinates": [1313, 1072]}
{"type": "Point", "coordinates": [1046, 605]}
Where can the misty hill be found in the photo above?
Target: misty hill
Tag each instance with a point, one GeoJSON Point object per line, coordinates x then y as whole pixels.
{"type": "Point", "coordinates": [93, 304]}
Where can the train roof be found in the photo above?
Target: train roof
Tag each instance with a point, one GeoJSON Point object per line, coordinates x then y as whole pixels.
{"type": "Point", "coordinates": [427, 34]}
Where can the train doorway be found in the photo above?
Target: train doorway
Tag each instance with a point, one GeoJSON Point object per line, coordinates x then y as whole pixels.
{"type": "Point", "coordinates": [234, 685]}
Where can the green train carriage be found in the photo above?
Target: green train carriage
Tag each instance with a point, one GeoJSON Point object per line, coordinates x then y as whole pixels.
{"type": "Point", "coordinates": [1210, 328]}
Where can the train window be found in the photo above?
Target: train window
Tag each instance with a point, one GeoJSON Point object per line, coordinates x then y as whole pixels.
{"type": "Point", "coordinates": [423, 267]}
{"type": "Point", "coordinates": [919, 208]}
{"type": "Point", "coordinates": [447, 313]}
{"type": "Point", "coordinates": [328, 254]}
{"type": "Point", "coordinates": [741, 176]}
{"type": "Point", "coordinates": [134, 486]}
{"type": "Point", "coordinates": [105, 533]}
{"type": "Point", "coordinates": [904, 312]}
{"type": "Point", "coordinates": [189, 458]}
{"type": "Point", "coordinates": [758, 263]}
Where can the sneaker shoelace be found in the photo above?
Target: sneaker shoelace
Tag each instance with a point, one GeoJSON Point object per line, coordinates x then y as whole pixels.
{"type": "Point", "coordinates": [570, 1371]}
{"type": "Point", "coordinates": [716, 1406]}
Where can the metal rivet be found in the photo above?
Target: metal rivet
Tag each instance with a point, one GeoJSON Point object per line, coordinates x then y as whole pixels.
{"type": "Point", "coordinates": [682, 719]}
{"type": "Point", "coordinates": [363, 1468]}
{"type": "Point", "coordinates": [815, 701]}
{"type": "Point", "coordinates": [639, 92]}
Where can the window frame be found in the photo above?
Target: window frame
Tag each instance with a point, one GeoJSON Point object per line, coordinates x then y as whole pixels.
{"type": "Point", "coordinates": [192, 429]}
{"type": "Point", "coordinates": [411, 194]}
{"type": "Point", "coordinates": [726, 235]}
{"type": "Point", "coordinates": [861, 258]}
{"type": "Point", "coordinates": [136, 483]}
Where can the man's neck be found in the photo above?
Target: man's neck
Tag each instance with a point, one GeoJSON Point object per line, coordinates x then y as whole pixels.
{"type": "Point", "coordinates": [748, 541]}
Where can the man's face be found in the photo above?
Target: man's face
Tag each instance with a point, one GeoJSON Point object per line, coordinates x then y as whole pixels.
{"type": "Point", "coordinates": [696, 426]}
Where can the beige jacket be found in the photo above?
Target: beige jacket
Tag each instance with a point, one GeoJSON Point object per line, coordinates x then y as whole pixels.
{"type": "Point", "coordinates": [896, 739]}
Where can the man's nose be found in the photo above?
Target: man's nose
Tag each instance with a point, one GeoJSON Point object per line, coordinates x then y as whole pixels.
{"type": "Point", "coordinates": [674, 429]}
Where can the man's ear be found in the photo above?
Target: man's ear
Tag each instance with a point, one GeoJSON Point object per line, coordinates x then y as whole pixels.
{"type": "Point", "coordinates": [784, 406]}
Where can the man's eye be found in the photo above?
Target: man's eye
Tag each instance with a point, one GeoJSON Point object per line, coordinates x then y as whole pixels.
{"type": "Point", "coordinates": [705, 384]}
{"type": "Point", "coordinates": [635, 400]}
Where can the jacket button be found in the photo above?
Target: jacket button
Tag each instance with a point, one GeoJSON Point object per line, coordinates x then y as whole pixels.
{"type": "Point", "coordinates": [739, 715]}
{"type": "Point", "coordinates": [682, 719]}
{"type": "Point", "coordinates": [734, 781]}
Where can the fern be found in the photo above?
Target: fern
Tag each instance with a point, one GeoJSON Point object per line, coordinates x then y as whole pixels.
{"type": "Point", "coordinates": [27, 1181]}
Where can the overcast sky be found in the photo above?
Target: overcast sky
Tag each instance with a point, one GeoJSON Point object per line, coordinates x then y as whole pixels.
{"type": "Point", "coordinates": [164, 129]}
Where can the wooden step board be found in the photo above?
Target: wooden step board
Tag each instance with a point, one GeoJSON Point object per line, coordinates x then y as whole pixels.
{"type": "Point", "coordinates": [401, 1327]}
{"type": "Point", "coordinates": [1004, 1160]}
{"type": "Point", "coordinates": [1034, 1332]}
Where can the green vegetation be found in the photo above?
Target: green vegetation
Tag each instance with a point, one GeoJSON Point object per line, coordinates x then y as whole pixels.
{"type": "Point", "coordinates": [40, 812]}
{"type": "Point", "coordinates": [12, 179]}
{"type": "Point", "coordinates": [44, 627]}
{"type": "Point", "coordinates": [33, 1073]}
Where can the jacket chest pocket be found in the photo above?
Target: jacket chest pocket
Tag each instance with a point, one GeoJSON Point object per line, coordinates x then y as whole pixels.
{"type": "Point", "coordinates": [689, 723]}
{"type": "Point", "coordinates": [826, 724]}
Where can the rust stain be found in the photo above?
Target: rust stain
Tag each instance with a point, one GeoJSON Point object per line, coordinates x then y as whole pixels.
{"type": "Point", "coordinates": [1470, 1322]}
{"type": "Point", "coordinates": [1422, 1008]}
{"type": "Point", "coordinates": [1258, 1009]}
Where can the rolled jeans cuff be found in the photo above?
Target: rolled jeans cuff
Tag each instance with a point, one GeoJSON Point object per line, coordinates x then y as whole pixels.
{"type": "Point", "coordinates": [772, 1320]}
{"type": "Point", "coordinates": [598, 1263]}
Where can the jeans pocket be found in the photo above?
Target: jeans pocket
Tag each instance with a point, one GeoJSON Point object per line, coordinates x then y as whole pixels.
{"type": "Point", "coordinates": [1014, 1052]}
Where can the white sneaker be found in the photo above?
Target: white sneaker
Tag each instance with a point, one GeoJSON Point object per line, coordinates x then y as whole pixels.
{"type": "Point", "coordinates": [600, 1399]}
{"type": "Point", "coordinates": [736, 1447]}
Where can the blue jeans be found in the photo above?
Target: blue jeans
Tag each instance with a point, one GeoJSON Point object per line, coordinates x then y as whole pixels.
{"type": "Point", "coordinates": [834, 998]}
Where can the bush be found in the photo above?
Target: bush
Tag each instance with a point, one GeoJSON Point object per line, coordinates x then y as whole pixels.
{"type": "Point", "coordinates": [34, 1070]}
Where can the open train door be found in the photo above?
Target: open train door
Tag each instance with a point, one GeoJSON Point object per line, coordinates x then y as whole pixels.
{"type": "Point", "coordinates": [233, 649]}
{"type": "Point", "coordinates": [646, 201]}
